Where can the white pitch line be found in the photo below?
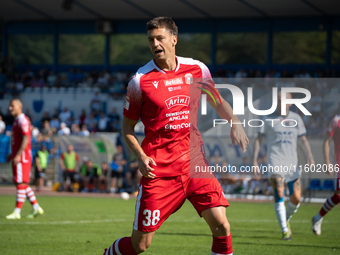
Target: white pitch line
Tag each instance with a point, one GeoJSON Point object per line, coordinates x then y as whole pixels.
{"type": "Point", "coordinates": [121, 220]}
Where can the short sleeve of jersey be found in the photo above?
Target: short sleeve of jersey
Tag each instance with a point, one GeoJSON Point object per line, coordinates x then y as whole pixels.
{"type": "Point", "coordinates": [133, 100]}
{"type": "Point", "coordinates": [331, 127]}
{"type": "Point", "coordinates": [24, 126]}
{"type": "Point", "coordinates": [208, 84]}
{"type": "Point", "coordinates": [301, 127]}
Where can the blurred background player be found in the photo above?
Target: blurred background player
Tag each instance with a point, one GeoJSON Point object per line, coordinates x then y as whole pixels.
{"type": "Point", "coordinates": [41, 160]}
{"type": "Point", "coordinates": [133, 175]}
{"type": "Point", "coordinates": [69, 161]}
{"type": "Point", "coordinates": [333, 132]}
{"type": "Point", "coordinates": [21, 161]}
{"type": "Point", "coordinates": [282, 151]}
{"type": "Point", "coordinates": [103, 177]}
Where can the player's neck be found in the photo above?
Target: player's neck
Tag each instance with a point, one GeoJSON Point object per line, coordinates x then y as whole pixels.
{"type": "Point", "coordinates": [17, 115]}
{"type": "Point", "coordinates": [168, 64]}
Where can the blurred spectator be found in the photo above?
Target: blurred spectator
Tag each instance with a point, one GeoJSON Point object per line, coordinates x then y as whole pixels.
{"type": "Point", "coordinates": [297, 73]}
{"type": "Point", "coordinates": [133, 175]}
{"type": "Point", "coordinates": [84, 131]}
{"type": "Point", "coordinates": [28, 115]}
{"type": "Point", "coordinates": [64, 130]}
{"type": "Point", "coordinates": [46, 130]}
{"type": "Point", "coordinates": [90, 121]}
{"type": "Point", "coordinates": [69, 162]}
{"type": "Point", "coordinates": [245, 169]}
{"type": "Point", "coordinates": [117, 166]}
{"type": "Point", "coordinates": [91, 182]}
{"type": "Point", "coordinates": [121, 76]}
{"type": "Point", "coordinates": [96, 103]}
{"type": "Point", "coordinates": [103, 177]}
{"type": "Point", "coordinates": [316, 104]}
{"type": "Point", "coordinates": [305, 74]}
{"type": "Point", "coordinates": [94, 75]}
{"type": "Point", "coordinates": [2, 125]}
{"type": "Point", "coordinates": [45, 117]}
{"type": "Point", "coordinates": [102, 123]}
{"type": "Point", "coordinates": [83, 174]}
{"type": "Point", "coordinates": [82, 117]}
{"type": "Point", "coordinates": [258, 74]}
{"type": "Point", "coordinates": [75, 129]}
{"type": "Point", "coordinates": [55, 124]}
{"type": "Point", "coordinates": [35, 132]}
{"type": "Point", "coordinates": [4, 146]}
{"type": "Point", "coordinates": [51, 79]}
{"type": "Point", "coordinates": [41, 160]}
{"type": "Point", "coordinates": [318, 73]}
{"type": "Point", "coordinates": [64, 115]}
{"type": "Point", "coordinates": [114, 120]}
{"type": "Point", "coordinates": [240, 75]}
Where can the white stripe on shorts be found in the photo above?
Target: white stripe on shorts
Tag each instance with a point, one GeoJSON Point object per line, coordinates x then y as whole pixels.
{"type": "Point", "coordinates": [135, 224]}
{"type": "Point", "coordinates": [19, 173]}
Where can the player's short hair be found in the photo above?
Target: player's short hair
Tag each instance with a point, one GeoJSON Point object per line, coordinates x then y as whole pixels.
{"type": "Point", "coordinates": [160, 22]}
{"type": "Point", "coordinates": [17, 100]}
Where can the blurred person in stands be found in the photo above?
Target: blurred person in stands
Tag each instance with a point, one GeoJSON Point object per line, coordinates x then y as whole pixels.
{"type": "Point", "coordinates": [94, 75]}
{"type": "Point", "coordinates": [69, 162]}
{"type": "Point", "coordinates": [41, 161]}
{"type": "Point", "coordinates": [117, 166]}
{"type": "Point", "coordinates": [64, 115]}
{"type": "Point", "coordinates": [114, 120]}
{"type": "Point", "coordinates": [21, 161]}
{"type": "Point", "coordinates": [91, 121]}
{"type": "Point", "coordinates": [75, 129]}
{"type": "Point", "coordinates": [82, 117]}
{"type": "Point", "coordinates": [102, 122]}
{"type": "Point", "coordinates": [96, 103]}
{"type": "Point", "coordinates": [45, 117]}
{"type": "Point", "coordinates": [91, 176]}
{"type": "Point", "coordinates": [47, 129]}
{"type": "Point", "coordinates": [64, 130]}
{"type": "Point", "coordinates": [133, 176]}
{"type": "Point", "coordinates": [51, 79]}
{"type": "Point", "coordinates": [84, 131]}
{"type": "Point", "coordinates": [55, 124]}
{"type": "Point", "coordinates": [103, 177]}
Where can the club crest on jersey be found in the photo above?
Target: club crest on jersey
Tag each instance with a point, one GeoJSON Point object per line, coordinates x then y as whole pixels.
{"type": "Point", "coordinates": [177, 100]}
{"type": "Point", "coordinates": [173, 82]}
{"type": "Point", "coordinates": [188, 78]}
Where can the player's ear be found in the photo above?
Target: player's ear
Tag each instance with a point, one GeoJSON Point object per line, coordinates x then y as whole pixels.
{"type": "Point", "coordinates": [174, 40]}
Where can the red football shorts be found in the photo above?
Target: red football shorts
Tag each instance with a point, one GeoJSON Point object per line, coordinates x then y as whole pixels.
{"type": "Point", "coordinates": [160, 197]}
{"type": "Point", "coordinates": [21, 172]}
{"type": "Point", "coordinates": [337, 181]}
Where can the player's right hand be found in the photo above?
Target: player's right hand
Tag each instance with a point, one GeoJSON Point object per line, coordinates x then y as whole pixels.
{"type": "Point", "coordinates": [145, 168]}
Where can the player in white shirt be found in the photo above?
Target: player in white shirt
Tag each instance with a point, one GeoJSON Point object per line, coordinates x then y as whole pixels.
{"type": "Point", "coordinates": [282, 133]}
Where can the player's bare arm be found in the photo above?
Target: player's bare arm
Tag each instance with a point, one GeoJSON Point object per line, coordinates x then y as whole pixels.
{"type": "Point", "coordinates": [307, 150]}
{"type": "Point", "coordinates": [237, 133]}
{"type": "Point", "coordinates": [256, 150]}
{"type": "Point", "coordinates": [326, 150]}
{"type": "Point", "coordinates": [128, 131]}
{"type": "Point", "coordinates": [38, 164]}
{"type": "Point", "coordinates": [23, 145]}
{"type": "Point", "coordinates": [61, 163]}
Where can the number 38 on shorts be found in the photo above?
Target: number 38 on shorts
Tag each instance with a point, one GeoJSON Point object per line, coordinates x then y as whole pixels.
{"type": "Point", "coordinates": [151, 217]}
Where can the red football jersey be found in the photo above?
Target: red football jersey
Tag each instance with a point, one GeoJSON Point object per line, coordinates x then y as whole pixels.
{"type": "Point", "coordinates": [21, 127]}
{"type": "Point", "coordinates": [334, 131]}
{"type": "Point", "coordinates": [164, 101]}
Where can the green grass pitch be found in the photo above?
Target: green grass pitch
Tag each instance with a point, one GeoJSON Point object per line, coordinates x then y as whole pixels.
{"type": "Point", "coordinates": [79, 225]}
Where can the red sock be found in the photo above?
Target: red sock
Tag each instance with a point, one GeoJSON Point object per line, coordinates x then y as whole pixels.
{"type": "Point", "coordinates": [121, 246]}
{"type": "Point", "coordinates": [329, 204]}
{"type": "Point", "coordinates": [21, 196]}
{"type": "Point", "coordinates": [222, 245]}
{"type": "Point", "coordinates": [30, 195]}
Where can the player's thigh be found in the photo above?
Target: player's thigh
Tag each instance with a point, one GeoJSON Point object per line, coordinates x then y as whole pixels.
{"type": "Point", "coordinates": [157, 199]}
{"type": "Point", "coordinates": [294, 187]}
{"type": "Point", "coordinates": [205, 193]}
{"type": "Point", "coordinates": [21, 172]}
{"type": "Point", "coordinates": [217, 220]}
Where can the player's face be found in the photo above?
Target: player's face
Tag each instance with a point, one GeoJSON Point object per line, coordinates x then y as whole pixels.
{"type": "Point", "coordinates": [15, 108]}
{"type": "Point", "coordinates": [162, 43]}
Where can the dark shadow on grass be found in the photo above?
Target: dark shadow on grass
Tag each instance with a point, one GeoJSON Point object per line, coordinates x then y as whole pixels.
{"type": "Point", "coordinates": [288, 244]}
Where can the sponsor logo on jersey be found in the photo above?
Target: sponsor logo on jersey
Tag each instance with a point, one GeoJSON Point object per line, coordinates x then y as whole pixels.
{"type": "Point", "coordinates": [177, 100]}
{"type": "Point", "coordinates": [127, 103]}
{"type": "Point", "coordinates": [182, 117]}
{"type": "Point", "coordinates": [155, 83]}
{"type": "Point", "coordinates": [172, 82]}
{"type": "Point", "coordinates": [178, 126]}
{"type": "Point", "coordinates": [188, 78]}
{"type": "Point", "coordinates": [174, 88]}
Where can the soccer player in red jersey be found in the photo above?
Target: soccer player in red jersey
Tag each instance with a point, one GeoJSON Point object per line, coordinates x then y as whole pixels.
{"type": "Point", "coordinates": [333, 132]}
{"type": "Point", "coordinates": [21, 161]}
{"type": "Point", "coordinates": [162, 94]}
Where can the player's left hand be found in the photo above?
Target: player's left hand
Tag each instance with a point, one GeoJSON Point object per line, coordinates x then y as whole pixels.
{"type": "Point", "coordinates": [16, 160]}
{"type": "Point", "coordinates": [238, 135]}
{"type": "Point", "coordinates": [311, 161]}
